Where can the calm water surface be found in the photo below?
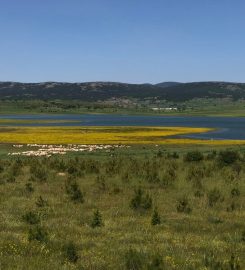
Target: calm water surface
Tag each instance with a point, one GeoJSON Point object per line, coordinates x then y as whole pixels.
{"type": "Point", "coordinates": [227, 127]}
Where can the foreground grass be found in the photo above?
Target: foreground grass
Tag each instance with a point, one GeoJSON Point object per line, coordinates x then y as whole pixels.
{"type": "Point", "coordinates": [208, 232]}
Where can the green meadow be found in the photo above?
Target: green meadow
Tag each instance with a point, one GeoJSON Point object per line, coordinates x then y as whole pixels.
{"type": "Point", "coordinates": [144, 207]}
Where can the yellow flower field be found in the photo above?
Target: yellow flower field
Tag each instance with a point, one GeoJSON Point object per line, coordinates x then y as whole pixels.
{"type": "Point", "coordinates": [103, 135]}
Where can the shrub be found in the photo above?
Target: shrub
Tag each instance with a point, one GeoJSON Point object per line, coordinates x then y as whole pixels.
{"type": "Point", "coordinates": [215, 220]}
{"type": "Point", "coordinates": [183, 206]}
{"type": "Point", "coordinates": [237, 168]}
{"type": "Point", "coordinates": [37, 233]}
{"type": "Point", "coordinates": [152, 176]}
{"type": "Point", "coordinates": [74, 192]}
{"type": "Point", "coordinates": [16, 168]}
{"type": "Point", "coordinates": [214, 196]}
{"type": "Point", "coordinates": [10, 178]}
{"type": "Point", "coordinates": [173, 155]}
{"type": "Point", "coordinates": [234, 263]}
{"type": "Point", "coordinates": [101, 183]}
{"type": "Point", "coordinates": [168, 177]}
{"type": "Point", "coordinates": [156, 219]}
{"type": "Point", "coordinates": [193, 156]}
{"type": "Point", "coordinates": [40, 202]}
{"type": "Point", "coordinates": [212, 263]}
{"type": "Point", "coordinates": [198, 193]}
{"type": "Point", "coordinates": [140, 200]}
{"type": "Point", "coordinates": [211, 155]}
{"type": "Point", "coordinates": [39, 173]}
{"type": "Point", "coordinates": [156, 263]}
{"type": "Point", "coordinates": [243, 236]}
{"type": "Point", "coordinates": [31, 218]}
{"type": "Point", "coordinates": [134, 260]}
{"type": "Point", "coordinates": [70, 251]}
{"type": "Point", "coordinates": [29, 187]}
{"type": "Point", "coordinates": [1, 168]}
{"type": "Point", "coordinates": [97, 220]}
{"type": "Point", "coordinates": [228, 157]}
{"type": "Point", "coordinates": [233, 206]}
{"type": "Point", "coordinates": [159, 154]}
{"type": "Point", "coordinates": [73, 169]}
{"type": "Point", "coordinates": [195, 172]}
{"type": "Point", "coordinates": [235, 192]}
{"type": "Point", "coordinates": [125, 177]}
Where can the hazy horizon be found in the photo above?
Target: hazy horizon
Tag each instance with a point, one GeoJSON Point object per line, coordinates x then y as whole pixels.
{"type": "Point", "coordinates": [124, 82]}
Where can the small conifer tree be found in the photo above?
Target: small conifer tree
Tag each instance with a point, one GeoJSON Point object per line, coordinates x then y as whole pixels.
{"type": "Point", "coordinates": [71, 252]}
{"type": "Point", "coordinates": [156, 219]}
{"type": "Point", "coordinates": [97, 220]}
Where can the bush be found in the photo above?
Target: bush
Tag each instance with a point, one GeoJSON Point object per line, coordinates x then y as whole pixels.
{"type": "Point", "coordinates": [195, 172]}
{"type": "Point", "coordinates": [168, 177]}
{"type": "Point", "coordinates": [140, 200]}
{"type": "Point", "coordinates": [235, 192]}
{"type": "Point", "coordinates": [10, 178]}
{"type": "Point", "coordinates": [183, 206]}
{"type": "Point", "coordinates": [39, 173]}
{"type": "Point", "coordinates": [1, 168]}
{"type": "Point", "coordinates": [74, 192]}
{"type": "Point", "coordinates": [212, 263]}
{"type": "Point", "coordinates": [215, 220]}
{"type": "Point", "coordinates": [173, 155]}
{"type": "Point", "coordinates": [152, 176]}
{"type": "Point", "coordinates": [134, 260]}
{"type": "Point", "coordinates": [29, 187]}
{"type": "Point", "coordinates": [40, 202]}
{"type": "Point", "coordinates": [37, 233]}
{"type": "Point", "coordinates": [234, 263]}
{"type": "Point", "coordinates": [156, 263]}
{"type": "Point", "coordinates": [198, 193]}
{"type": "Point", "coordinates": [243, 236]}
{"type": "Point", "coordinates": [212, 155]}
{"type": "Point", "coordinates": [97, 220]}
{"type": "Point", "coordinates": [214, 196]}
{"type": "Point", "coordinates": [193, 156]}
{"type": "Point", "coordinates": [16, 168]}
{"type": "Point", "coordinates": [228, 157]}
{"type": "Point", "coordinates": [233, 206]}
{"type": "Point", "coordinates": [156, 219]}
{"type": "Point", "coordinates": [101, 183]}
{"type": "Point", "coordinates": [71, 252]}
{"type": "Point", "coordinates": [31, 218]}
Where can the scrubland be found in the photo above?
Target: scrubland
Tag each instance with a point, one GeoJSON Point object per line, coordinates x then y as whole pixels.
{"type": "Point", "coordinates": [126, 209]}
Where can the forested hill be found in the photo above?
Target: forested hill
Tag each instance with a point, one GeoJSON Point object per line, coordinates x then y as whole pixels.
{"type": "Point", "coordinates": [94, 91]}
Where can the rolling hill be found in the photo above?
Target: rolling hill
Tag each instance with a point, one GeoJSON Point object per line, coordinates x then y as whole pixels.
{"type": "Point", "coordinates": [94, 91]}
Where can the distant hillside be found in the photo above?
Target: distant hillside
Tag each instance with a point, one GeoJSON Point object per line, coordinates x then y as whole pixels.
{"type": "Point", "coordinates": [94, 91]}
{"type": "Point", "coordinates": [167, 84]}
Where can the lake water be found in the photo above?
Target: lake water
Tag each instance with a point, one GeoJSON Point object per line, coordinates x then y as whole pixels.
{"type": "Point", "coordinates": [227, 127]}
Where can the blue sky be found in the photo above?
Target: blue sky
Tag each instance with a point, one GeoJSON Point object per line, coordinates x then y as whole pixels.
{"type": "Point", "coordinates": [135, 41]}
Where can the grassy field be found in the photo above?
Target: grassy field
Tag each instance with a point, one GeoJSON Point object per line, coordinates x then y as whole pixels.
{"type": "Point", "coordinates": [145, 207]}
{"type": "Point", "coordinates": [153, 206]}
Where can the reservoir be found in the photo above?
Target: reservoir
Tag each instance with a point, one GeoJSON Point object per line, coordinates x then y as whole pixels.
{"type": "Point", "coordinates": [227, 128]}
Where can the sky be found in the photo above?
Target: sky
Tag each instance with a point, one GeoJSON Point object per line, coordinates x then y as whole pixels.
{"type": "Point", "coordinates": [134, 41]}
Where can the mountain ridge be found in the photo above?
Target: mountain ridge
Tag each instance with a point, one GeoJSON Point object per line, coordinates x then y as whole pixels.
{"type": "Point", "coordinates": [99, 90]}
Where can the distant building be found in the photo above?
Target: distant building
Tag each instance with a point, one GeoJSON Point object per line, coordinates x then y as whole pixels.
{"type": "Point", "coordinates": [165, 109]}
